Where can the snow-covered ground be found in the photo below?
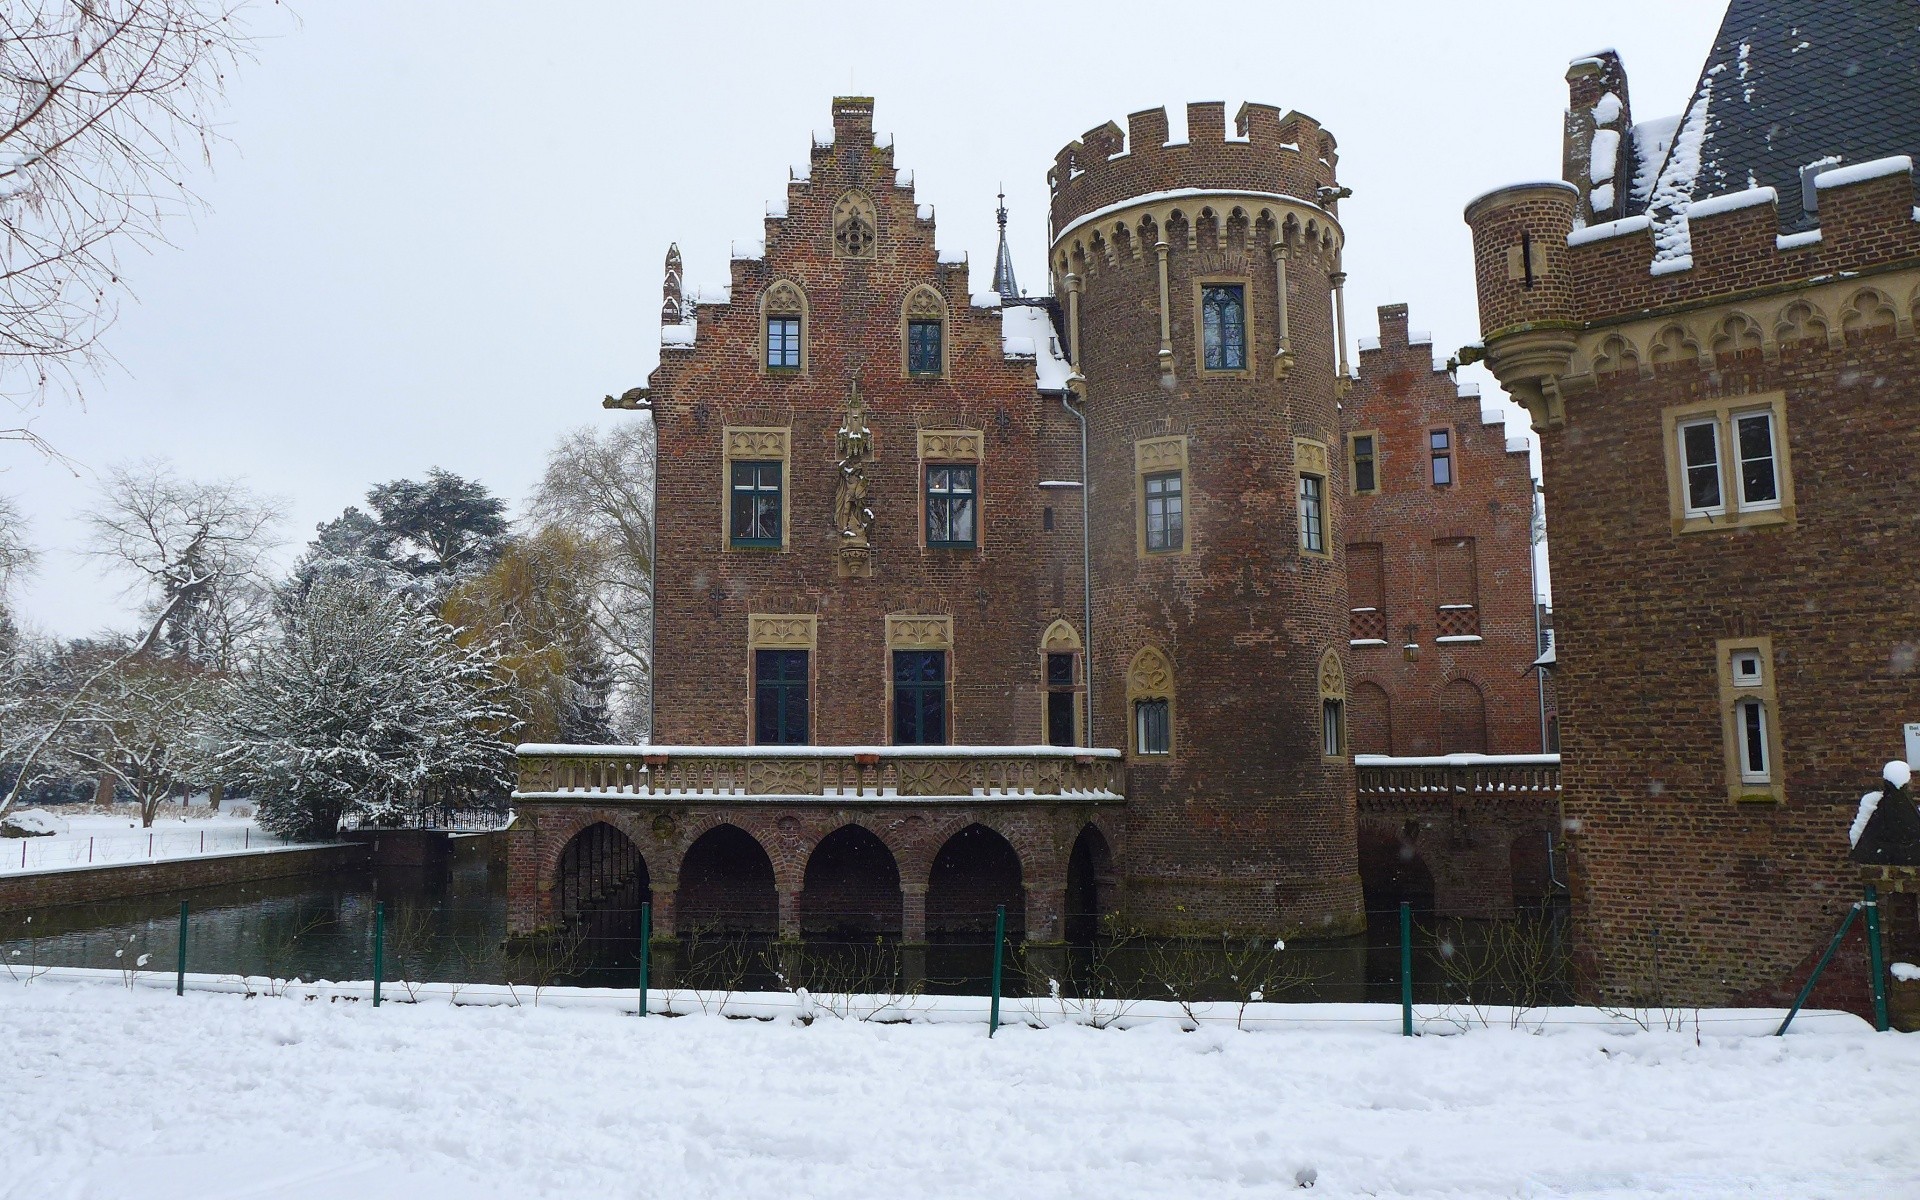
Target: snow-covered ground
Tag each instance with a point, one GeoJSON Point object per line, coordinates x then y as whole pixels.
{"type": "Point", "coordinates": [111, 1092]}
{"type": "Point", "coordinates": [91, 836]}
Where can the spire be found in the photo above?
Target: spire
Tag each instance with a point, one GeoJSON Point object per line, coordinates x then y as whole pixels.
{"type": "Point", "coordinates": [1003, 262]}
{"type": "Point", "coordinates": [672, 312]}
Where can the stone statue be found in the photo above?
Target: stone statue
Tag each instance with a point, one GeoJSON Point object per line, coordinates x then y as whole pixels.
{"type": "Point", "coordinates": [852, 509]}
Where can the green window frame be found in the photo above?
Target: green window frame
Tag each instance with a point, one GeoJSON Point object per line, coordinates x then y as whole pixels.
{"type": "Point", "coordinates": [953, 505]}
{"type": "Point", "coordinates": [756, 503]}
{"type": "Point", "coordinates": [779, 697]}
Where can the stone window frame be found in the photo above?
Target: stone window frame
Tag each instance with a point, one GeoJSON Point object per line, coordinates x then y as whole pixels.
{"type": "Point", "coordinates": [924, 302]}
{"type": "Point", "coordinates": [1353, 463]}
{"type": "Point", "coordinates": [1734, 515]}
{"type": "Point", "coordinates": [1247, 319]}
{"type": "Point", "coordinates": [755, 443]}
{"type": "Point", "coordinates": [1733, 693]}
{"type": "Point", "coordinates": [1311, 460]}
{"type": "Point", "coordinates": [1161, 456]}
{"type": "Point", "coordinates": [1062, 638]}
{"type": "Point", "coordinates": [796, 306]}
{"type": "Point", "coordinates": [855, 203]}
{"type": "Point", "coordinates": [962, 447]}
{"type": "Point", "coordinates": [921, 631]}
{"type": "Point", "coordinates": [1331, 678]}
{"type": "Point", "coordinates": [1150, 677]}
{"type": "Point", "coordinates": [783, 631]}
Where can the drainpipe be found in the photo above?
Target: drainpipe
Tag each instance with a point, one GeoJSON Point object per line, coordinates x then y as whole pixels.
{"type": "Point", "coordinates": [653, 575]}
{"type": "Point", "coordinates": [1533, 588]}
{"type": "Point", "coordinates": [1078, 381]}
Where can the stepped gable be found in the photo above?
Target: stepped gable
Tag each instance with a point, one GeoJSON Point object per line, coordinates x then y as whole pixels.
{"type": "Point", "coordinates": [1400, 351]}
{"type": "Point", "coordinates": [1789, 83]}
{"type": "Point", "coordinates": [1288, 154]}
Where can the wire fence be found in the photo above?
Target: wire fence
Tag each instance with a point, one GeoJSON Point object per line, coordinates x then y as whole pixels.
{"type": "Point", "coordinates": [105, 849]}
{"type": "Point", "coordinates": [1411, 972]}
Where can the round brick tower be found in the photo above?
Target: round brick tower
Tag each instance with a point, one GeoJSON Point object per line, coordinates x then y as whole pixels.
{"type": "Point", "coordinates": [1215, 470]}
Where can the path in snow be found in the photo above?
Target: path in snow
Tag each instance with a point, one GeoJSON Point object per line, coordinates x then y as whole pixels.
{"type": "Point", "coordinates": [110, 1093]}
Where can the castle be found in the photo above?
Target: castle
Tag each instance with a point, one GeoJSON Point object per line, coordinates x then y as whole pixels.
{"type": "Point", "coordinates": [1079, 604]}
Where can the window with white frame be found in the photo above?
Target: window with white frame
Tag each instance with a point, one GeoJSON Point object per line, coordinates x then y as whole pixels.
{"type": "Point", "coordinates": [1751, 729]}
{"type": "Point", "coordinates": [1728, 463]}
{"type": "Point", "coordinates": [1752, 735]}
{"type": "Point", "coordinates": [1759, 469]}
{"type": "Point", "coordinates": [1700, 462]}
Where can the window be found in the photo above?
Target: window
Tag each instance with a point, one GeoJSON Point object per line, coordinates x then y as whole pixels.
{"type": "Point", "coordinates": [923, 347]}
{"type": "Point", "coordinates": [1751, 725]}
{"type": "Point", "coordinates": [1759, 477]}
{"type": "Point", "coordinates": [780, 697]}
{"type": "Point", "coordinates": [1728, 463]}
{"type": "Point", "coordinates": [950, 505]}
{"type": "Point", "coordinates": [919, 698]}
{"type": "Point", "coordinates": [1752, 732]}
{"type": "Point", "coordinates": [1152, 727]}
{"type": "Point", "coordinates": [1365, 467]}
{"type": "Point", "coordinates": [1700, 458]}
{"type": "Point", "coordinates": [1166, 529]}
{"type": "Point", "coordinates": [1333, 726]}
{"type": "Point", "coordinates": [1440, 448]}
{"type": "Point", "coordinates": [783, 343]}
{"type": "Point", "coordinates": [756, 503]}
{"type": "Point", "coordinates": [1061, 699]}
{"type": "Point", "coordinates": [1223, 327]}
{"type": "Point", "coordinates": [1313, 521]}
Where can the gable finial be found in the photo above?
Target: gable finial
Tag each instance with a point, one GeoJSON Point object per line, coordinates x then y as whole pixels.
{"type": "Point", "coordinates": [1003, 281]}
{"type": "Point", "coordinates": [672, 305]}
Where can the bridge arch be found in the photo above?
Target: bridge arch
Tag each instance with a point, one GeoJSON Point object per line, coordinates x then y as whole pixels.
{"type": "Point", "coordinates": [1091, 890]}
{"type": "Point", "coordinates": [599, 868]}
{"type": "Point", "coordinates": [1392, 869]}
{"type": "Point", "coordinates": [851, 888]}
{"type": "Point", "coordinates": [975, 870]}
{"type": "Point", "coordinates": [727, 885]}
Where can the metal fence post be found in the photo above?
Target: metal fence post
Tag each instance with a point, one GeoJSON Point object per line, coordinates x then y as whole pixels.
{"type": "Point", "coordinates": [999, 953]}
{"type": "Point", "coordinates": [1876, 960]}
{"type": "Point", "coordinates": [379, 947]}
{"type": "Point", "coordinates": [180, 964]}
{"type": "Point", "coordinates": [1406, 969]}
{"type": "Point", "coordinates": [646, 953]}
{"type": "Point", "coordinates": [1818, 967]}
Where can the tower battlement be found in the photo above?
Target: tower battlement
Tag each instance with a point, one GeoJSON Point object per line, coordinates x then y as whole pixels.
{"type": "Point", "coordinates": [1284, 154]}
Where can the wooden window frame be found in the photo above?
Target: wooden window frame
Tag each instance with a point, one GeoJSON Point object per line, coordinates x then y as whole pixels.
{"type": "Point", "coordinates": [1451, 454]}
{"type": "Point", "coordinates": [921, 631]}
{"type": "Point", "coordinates": [1150, 678]}
{"type": "Point", "coordinates": [784, 299]}
{"type": "Point", "coordinates": [782, 631]}
{"type": "Point", "coordinates": [1736, 692]}
{"type": "Point", "coordinates": [1733, 512]}
{"type": "Point", "coordinates": [1155, 457]}
{"type": "Point", "coordinates": [924, 302]}
{"type": "Point", "coordinates": [1062, 638]}
{"type": "Point", "coordinates": [1311, 461]}
{"type": "Point", "coordinates": [1247, 319]}
{"type": "Point", "coordinates": [1353, 462]}
{"type": "Point", "coordinates": [754, 443]}
{"type": "Point", "coordinates": [1331, 678]}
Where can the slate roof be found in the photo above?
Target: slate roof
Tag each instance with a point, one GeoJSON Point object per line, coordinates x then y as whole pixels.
{"type": "Point", "coordinates": [1790, 82]}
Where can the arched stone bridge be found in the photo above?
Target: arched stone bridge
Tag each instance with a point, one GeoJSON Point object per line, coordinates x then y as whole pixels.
{"type": "Point", "coordinates": [905, 842]}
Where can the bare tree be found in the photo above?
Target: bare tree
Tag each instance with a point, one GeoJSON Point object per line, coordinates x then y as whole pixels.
{"type": "Point", "coordinates": [599, 486]}
{"type": "Point", "coordinates": [188, 545]}
{"type": "Point", "coordinates": [16, 556]}
{"type": "Point", "coordinates": [100, 103]}
{"type": "Point", "coordinates": [146, 726]}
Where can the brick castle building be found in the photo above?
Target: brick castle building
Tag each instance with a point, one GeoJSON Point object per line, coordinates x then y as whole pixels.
{"type": "Point", "coordinates": [1712, 323]}
{"type": "Point", "coordinates": [976, 599]}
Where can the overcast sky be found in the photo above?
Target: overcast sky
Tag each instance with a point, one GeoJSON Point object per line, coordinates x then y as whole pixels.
{"type": "Point", "coordinates": [436, 236]}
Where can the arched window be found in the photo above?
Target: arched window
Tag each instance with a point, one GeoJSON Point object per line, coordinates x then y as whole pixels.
{"type": "Point", "coordinates": [783, 325]}
{"type": "Point", "coordinates": [1150, 699]}
{"type": "Point", "coordinates": [1333, 706]}
{"type": "Point", "coordinates": [924, 333]}
{"type": "Point", "coordinates": [1060, 660]}
{"type": "Point", "coordinates": [853, 225]}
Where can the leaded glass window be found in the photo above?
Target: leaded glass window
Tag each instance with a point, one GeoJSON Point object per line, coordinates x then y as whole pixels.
{"type": "Point", "coordinates": [1223, 321]}
{"type": "Point", "coordinates": [923, 347]}
{"type": "Point", "coordinates": [780, 697]}
{"type": "Point", "coordinates": [1165, 517]}
{"type": "Point", "coordinates": [951, 505]}
{"type": "Point", "coordinates": [755, 517]}
{"type": "Point", "coordinates": [919, 697]}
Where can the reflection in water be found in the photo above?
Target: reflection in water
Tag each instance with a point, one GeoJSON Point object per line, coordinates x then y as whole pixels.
{"type": "Point", "coordinates": [450, 924]}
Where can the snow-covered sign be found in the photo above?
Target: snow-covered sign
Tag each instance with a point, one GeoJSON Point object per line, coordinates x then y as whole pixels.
{"type": "Point", "coordinates": [1913, 744]}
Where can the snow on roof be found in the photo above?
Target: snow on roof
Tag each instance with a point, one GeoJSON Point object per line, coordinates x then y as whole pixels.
{"type": "Point", "coordinates": [678, 337]}
{"type": "Point", "coordinates": [1732, 202]}
{"type": "Point", "coordinates": [1027, 332]}
{"type": "Point", "coordinates": [707, 293]}
{"type": "Point", "coordinates": [1419, 337]}
{"type": "Point", "coordinates": [986, 300]}
{"type": "Point", "coordinates": [1518, 445]}
{"type": "Point", "coordinates": [1609, 229]}
{"type": "Point", "coordinates": [748, 248]}
{"type": "Point", "coordinates": [777, 208]}
{"type": "Point", "coordinates": [1797, 241]}
{"type": "Point", "coordinates": [1456, 760]}
{"type": "Point", "coordinates": [1179, 194]}
{"type": "Point", "coordinates": [1604, 155]}
{"type": "Point", "coordinates": [948, 258]}
{"type": "Point", "coordinates": [903, 178]}
{"type": "Point", "coordinates": [1607, 111]}
{"type": "Point", "coordinates": [1369, 342]}
{"type": "Point", "coordinates": [1651, 140]}
{"type": "Point", "coordinates": [542, 749]}
{"type": "Point", "coordinates": [1895, 164]}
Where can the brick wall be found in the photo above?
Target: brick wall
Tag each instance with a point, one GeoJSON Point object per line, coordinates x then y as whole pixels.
{"type": "Point", "coordinates": [1425, 706]}
{"type": "Point", "coordinates": [44, 889]}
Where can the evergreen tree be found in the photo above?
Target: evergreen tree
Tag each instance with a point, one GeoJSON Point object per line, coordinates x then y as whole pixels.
{"type": "Point", "coordinates": [368, 708]}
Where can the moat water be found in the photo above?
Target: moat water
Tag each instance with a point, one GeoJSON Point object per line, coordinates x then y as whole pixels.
{"type": "Point", "coordinates": [449, 924]}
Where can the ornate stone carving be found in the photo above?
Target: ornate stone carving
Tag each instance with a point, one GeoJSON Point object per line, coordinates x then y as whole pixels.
{"type": "Point", "coordinates": [1309, 458]}
{"type": "Point", "coordinates": [784, 299]}
{"type": "Point", "coordinates": [909, 631]}
{"type": "Point", "coordinates": [672, 306]}
{"type": "Point", "coordinates": [1160, 454]}
{"type": "Point", "coordinates": [924, 303]}
{"type": "Point", "coordinates": [951, 445]}
{"type": "Point", "coordinates": [1060, 638]}
{"type": "Point", "coordinates": [853, 225]}
{"type": "Point", "coordinates": [1333, 677]}
{"type": "Point", "coordinates": [783, 777]}
{"type": "Point", "coordinates": [852, 509]}
{"type": "Point", "coordinates": [770, 631]}
{"type": "Point", "coordinates": [1150, 675]}
{"type": "Point", "coordinates": [936, 777]}
{"type": "Point", "coordinates": [756, 443]}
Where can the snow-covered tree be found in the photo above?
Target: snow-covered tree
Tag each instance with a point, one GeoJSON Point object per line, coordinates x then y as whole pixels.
{"type": "Point", "coordinates": [599, 487]}
{"type": "Point", "coordinates": [365, 706]}
{"type": "Point", "coordinates": [146, 727]}
{"type": "Point", "coordinates": [423, 537]}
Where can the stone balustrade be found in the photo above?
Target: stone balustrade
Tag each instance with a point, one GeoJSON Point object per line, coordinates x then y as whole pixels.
{"type": "Point", "coordinates": [1482, 777]}
{"type": "Point", "coordinates": [904, 774]}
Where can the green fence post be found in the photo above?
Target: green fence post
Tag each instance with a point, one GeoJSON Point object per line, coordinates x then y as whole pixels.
{"type": "Point", "coordinates": [1875, 959]}
{"type": "Point", "coordinates": [999, 950]}
{"type": "Point", "coordinates": [379, 947]}
{"type": "Point", "coordinates": [1406, 969]}
{"type": "Point", "coordinates": [1818, 967]}
{"type": "Point", "coordinates": [180, 966]}
{"type": "Point", "coordinates": [646, 952]}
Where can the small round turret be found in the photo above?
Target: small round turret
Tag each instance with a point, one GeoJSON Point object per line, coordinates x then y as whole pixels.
{"type": "Point", "coordinates": [1527, 317]}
